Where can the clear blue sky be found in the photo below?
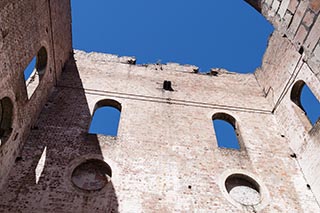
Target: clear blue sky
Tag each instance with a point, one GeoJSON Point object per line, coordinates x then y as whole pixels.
{"type": "Point", "coordinates": [207, 33]}
{"type": "Point", "coordinates": [228, 34]}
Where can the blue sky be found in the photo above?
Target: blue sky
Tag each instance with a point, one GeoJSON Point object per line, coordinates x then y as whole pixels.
{"type": "Point", "coordinates": [207, 33]}
{"type": "Point", "coordinates": [227, 34]}
{"type": "Point", "coordinates": [310, 104]}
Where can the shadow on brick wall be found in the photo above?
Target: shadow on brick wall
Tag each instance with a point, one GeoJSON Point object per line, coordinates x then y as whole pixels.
{"type": "Point", "coordinates": [41, 179]}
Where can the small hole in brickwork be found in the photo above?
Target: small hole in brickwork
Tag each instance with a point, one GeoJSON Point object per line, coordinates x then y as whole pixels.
{"type": "Point", "coordinates": [34, 127]}
{"type": "Point", "coordinates": [282, 136]}
{"type": "Point", "coordinates": [18, 159]}
{"type": "Point", "coordinates": [293, 155]}
{"type": "Point", "coordinates": [301, 50]}
{"type": "Point", "coordinates": [35, 71]}
{"type": "Point", "coordinates": [4, 33]}
{"type": "Point", "coordinates": [6, 117]}
{"type": "Point", "coordinates": [16, 136]}
{"type": "Point", "coordinates": [308, 186]}
{"type": "Point", "coordinates": [167, 86]}
{"type": "Point", "coordinates": [243, 189]}
{"type": "Point", "coordinates": [189, 187]}
{"type": "Point", "coordinates": [91, 175]}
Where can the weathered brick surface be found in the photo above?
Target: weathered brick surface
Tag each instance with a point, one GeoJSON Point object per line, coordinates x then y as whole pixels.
{"type": "Point", "coordinates": [283, 7]}
{"type": "Point", "coordinates": [280, 74]}
{"type": "Point", "coordinates": [297, 18]}
{"type": "Point", "coordinates": [314, 61]}
{"type": "Point", "coordinates": [315, 5]}
{"type": "Point", "coordinates": [314, 36]}
{"type": "Point", "coordinates": [308, 18]}
{"type": "Point", "coordinates": [293, 5]}
{"type": "Point", "coordinates": [302, 135]}
{"type": "Point", "coordinates": [25, 27]}
{"type": "Point", "coordinates": [300, 36]}
{"type": "Point", "coordinates": [299, 21]}
{"type": "Point", "coordinates": [165, 142]}
{"type": "Point", "coordinates": [279, 63]}
{"type": "Point", "coordinates": [274, 7]}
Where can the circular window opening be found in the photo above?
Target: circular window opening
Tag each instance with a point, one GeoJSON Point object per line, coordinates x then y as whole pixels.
{"type": "Point", "coordinates": [6, 114]}
{"type": "Point", "coordinates": [243, 189]}
{"type": "Point", "coordinates": [91, 175]}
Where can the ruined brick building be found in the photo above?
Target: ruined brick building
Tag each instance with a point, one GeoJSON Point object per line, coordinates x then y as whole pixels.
{"type": "Point", "coordinates": [165, 157]}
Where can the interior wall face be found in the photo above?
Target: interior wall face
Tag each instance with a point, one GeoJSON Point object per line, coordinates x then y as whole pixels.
{"type": "Point", "coordinates": [165, 157]}
{"type": "Point", "coordinates": [25, 27]}
{"type": "Point", "coordinates": [293, 55]}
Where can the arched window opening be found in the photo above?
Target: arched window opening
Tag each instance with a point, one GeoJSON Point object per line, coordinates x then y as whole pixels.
{"type": "Point", "coordinates": [35, 71]}
{"type": "Point", "coordinates": [225, 130]}
{"type": "Point", "coordinates": [6, 114]}
{"type": "Point", "coordinates": [106, 118]}
{"type": "Point", "coordinates": [303, 97]}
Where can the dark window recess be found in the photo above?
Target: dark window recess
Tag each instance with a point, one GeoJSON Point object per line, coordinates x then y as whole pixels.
{"type": "Point", "coordinates": [167, 86]}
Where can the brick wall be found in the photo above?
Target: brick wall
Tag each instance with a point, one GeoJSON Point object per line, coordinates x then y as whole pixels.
{"type": "Point", "coordinates": [26, 26]}
{"type": "Point", "coordinates": [300, 22]}
{"type": "Point", "coordinates": [293, 55]}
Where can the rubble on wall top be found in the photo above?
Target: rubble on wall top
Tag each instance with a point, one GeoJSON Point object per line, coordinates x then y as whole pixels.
{"type": "Point", "coordinates": [105, 58]}
{"type": "Point", "coordinates": [173, 67]}
{"type": "Point", "coordinates": [219, 71]}
{"type": "Point", "coordinates": [180, 67]}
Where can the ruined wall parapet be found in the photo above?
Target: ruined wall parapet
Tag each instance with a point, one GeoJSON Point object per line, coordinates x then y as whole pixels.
{"type": "Point", "coordinates": [299, 21]}
{"type": "Point", "coordinates": [293, 55]}
{"type": "Point", "coordinates": [95, 58]}
{"type": "Point", "coordinates": [103, 58]}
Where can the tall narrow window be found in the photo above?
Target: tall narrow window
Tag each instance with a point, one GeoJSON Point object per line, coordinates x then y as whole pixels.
{"type": "Point", "coordinates": [35, 71]}
{"type": "Point", "coordinates": [303, 97]}
{"type": "Point", "coordinates": [106, 118]}
{"type": "Point", "coordinates": [6, 114]}
{"type": "Point", "coordinates": [225, 130]}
